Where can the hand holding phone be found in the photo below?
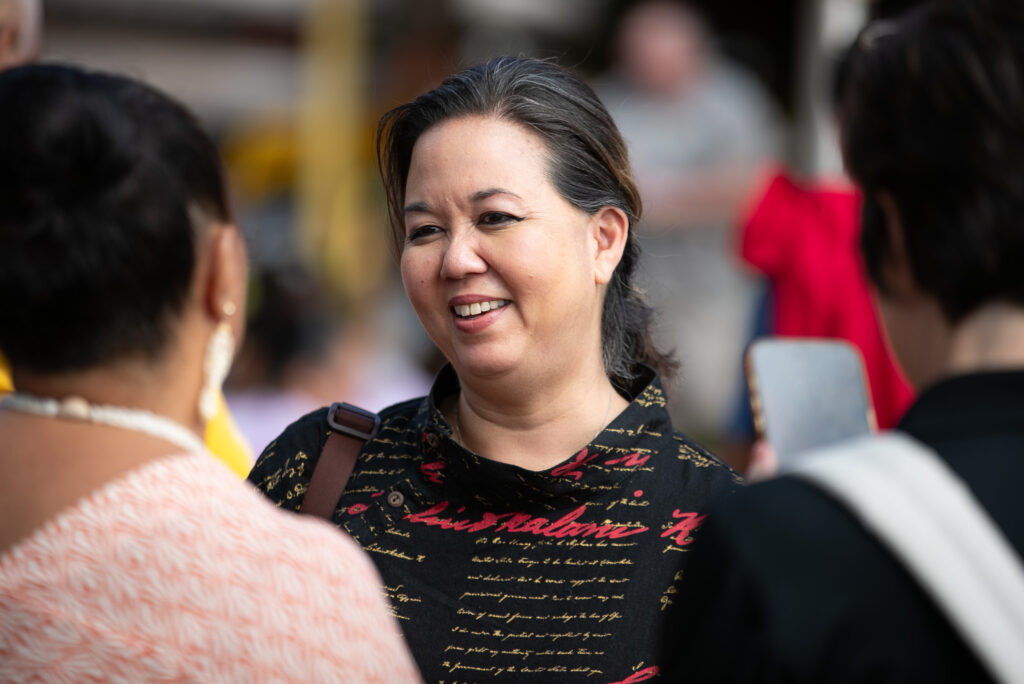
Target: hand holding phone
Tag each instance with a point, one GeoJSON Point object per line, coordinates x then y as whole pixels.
{"type": "Point", "coordinates": [807, 393]}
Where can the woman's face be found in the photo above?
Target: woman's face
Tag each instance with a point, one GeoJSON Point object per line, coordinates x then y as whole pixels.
{"type": "Point", "coordinates": [502, 271]}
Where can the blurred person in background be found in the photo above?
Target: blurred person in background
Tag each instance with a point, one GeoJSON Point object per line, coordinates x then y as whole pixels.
{"type": "Point", "coordinates": [530, 516]}
{"type": "Point", "coordinates": [309, 342]}
{"type": "Point", "coordinates": [126, 552]}
{"type": "Point", "coordinates": [299, 355]}
{"type": "Point", "coordinates": [792, 585]}
{"type": "Point", "coordinates": [697, 128]}
{"type": "Point", "coordinates": [803, 236]}
{"type": "Point", "coordinates": [289, 337]}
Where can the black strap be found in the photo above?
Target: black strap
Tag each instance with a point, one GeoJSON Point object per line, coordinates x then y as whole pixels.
{"type": "Point", "coordinates": [351, 427]}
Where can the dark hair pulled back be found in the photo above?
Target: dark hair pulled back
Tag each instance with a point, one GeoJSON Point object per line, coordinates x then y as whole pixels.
{"type": "Point", "coordinates": [589, 168]}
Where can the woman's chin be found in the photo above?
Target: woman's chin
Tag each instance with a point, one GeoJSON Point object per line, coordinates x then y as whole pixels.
{"type": "Point", "coordinates": [475, 364]}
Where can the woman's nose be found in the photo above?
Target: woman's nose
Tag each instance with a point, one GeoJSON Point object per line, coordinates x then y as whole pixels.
{"type": "Point", "coordinates": [463, 257]}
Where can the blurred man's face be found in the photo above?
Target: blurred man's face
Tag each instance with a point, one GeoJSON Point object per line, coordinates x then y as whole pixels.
{"type": "Point", "coordinates": [660, 48]}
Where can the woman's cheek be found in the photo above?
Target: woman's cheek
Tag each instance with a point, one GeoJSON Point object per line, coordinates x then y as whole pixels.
{"type": "Point", "coordinates": [419, 288]}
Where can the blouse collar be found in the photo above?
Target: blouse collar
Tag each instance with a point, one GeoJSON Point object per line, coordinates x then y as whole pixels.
{"type": "Point", "coordinates": [624, 448]}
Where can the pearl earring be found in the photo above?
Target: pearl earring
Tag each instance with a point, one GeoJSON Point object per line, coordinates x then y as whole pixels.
{"type": "Point", "coordinates": [216, 364]}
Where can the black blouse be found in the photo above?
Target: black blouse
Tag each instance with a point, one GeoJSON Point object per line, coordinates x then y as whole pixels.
{"type": "Point", "coordinates": [495, 571]}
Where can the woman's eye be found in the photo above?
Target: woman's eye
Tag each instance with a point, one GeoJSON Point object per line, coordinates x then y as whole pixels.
{"type": "Point", "coordinates": [421, 232]}
{"type": "Point", "coordinates": [497, 218]}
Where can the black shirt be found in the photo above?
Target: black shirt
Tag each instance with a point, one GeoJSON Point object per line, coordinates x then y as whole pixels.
{"type": "Point", "coordinates": [792, 588]}
{"type": "Point", "coordinates": [497, 572]}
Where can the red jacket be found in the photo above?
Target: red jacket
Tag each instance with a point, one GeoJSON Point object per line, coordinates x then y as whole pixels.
{"type": "Point", "coordinates": [805, 241]}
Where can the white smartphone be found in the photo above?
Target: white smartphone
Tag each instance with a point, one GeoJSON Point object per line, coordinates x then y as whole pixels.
{"type": "Point", "coordinates": [807, 393]}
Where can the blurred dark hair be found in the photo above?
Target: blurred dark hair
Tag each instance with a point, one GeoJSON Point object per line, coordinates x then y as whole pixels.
{"type": "Point", "coordinates": [102, 180]}
{"type": "Point", "coordinates": [293, 320]}
{"type": "Point", "coordinates": [589, 168]}
{"type": "Point", "coordinates": [932, 115]}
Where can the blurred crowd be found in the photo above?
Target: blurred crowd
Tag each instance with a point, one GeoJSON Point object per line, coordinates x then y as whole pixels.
{"type": "Point", "coordinates": [704, 100]}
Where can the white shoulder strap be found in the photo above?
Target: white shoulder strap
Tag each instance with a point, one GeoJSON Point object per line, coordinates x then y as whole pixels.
{"type": "Point", "coordinates": [911, 500]}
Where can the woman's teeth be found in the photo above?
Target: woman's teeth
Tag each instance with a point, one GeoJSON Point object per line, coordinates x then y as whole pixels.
{"type": "Point", "coordinates": [477, 308]}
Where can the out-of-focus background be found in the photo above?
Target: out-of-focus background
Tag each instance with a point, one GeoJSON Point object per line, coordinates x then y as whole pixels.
{"type": "Point", "coordinates": [706, 93]}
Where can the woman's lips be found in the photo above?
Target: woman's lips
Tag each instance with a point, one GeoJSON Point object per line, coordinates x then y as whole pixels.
{"type": "Point", "coordinates": [473, 314]}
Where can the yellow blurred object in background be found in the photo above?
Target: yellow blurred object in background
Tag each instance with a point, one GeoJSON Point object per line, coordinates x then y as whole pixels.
{"type": "Point", "coordinates": [5, 376]}
{"type": "Point", "coordinates": [336, 153]}
{"type": "Point", "coordinates": [225, 441]}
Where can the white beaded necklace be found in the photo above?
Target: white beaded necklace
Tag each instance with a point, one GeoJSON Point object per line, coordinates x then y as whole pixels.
{"type": "Point", "coordinates": [77, 408]}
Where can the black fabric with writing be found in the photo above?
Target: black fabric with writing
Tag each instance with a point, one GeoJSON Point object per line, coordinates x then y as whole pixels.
{"type": "Point", "coordinates": [496, 572]}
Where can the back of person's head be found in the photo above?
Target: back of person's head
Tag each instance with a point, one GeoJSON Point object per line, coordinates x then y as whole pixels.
{"type": "Point", "coordinates": [589, 168]}
{"type": "Point", "coordinates": [932, 118]}
{"type": "Point", "coordinates": [104, 186]}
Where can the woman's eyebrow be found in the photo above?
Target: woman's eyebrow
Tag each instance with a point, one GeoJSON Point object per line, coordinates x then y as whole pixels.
{"type": "Point", "coordinates": [490, 192]}
{"type": "Point", "coordinates": [478, 196]}
{"type": "Point", "coordinates": [421, 207]}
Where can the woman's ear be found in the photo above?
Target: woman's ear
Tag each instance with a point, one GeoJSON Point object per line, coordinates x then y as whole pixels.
{"type": "Point", "coordinates": [227, 277]}
{"type": "Point", "coordinates": [610, 227]}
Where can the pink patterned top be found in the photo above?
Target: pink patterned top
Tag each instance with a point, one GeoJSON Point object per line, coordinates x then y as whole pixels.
{"type": "Point", "coordinates": [178, 572]}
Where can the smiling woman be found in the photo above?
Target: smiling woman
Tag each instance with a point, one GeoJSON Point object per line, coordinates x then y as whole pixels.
{"type": "Point", "coordinates": [539, 500]}
{"type": "Point", "coordinates": [483, 225]}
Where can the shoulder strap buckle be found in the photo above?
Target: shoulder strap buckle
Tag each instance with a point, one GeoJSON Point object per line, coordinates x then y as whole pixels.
{"type": "Point", "coordinates": [351, 428]}
{"type": "Point", "coordinates": [353, 421]}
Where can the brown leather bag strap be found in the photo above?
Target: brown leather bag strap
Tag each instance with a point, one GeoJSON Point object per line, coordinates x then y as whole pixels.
{"type": "Point", "coordinates": [351, 427]}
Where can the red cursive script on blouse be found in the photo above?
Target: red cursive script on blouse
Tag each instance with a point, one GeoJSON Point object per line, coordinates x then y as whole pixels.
{"type": "Point", "coordinates": [689, 522]}
{"type": "Point", "coordinates": [570, 469]}
{"type": "Point", "coordinates": [432, 471]}
{"type": "Point", "coordinates": [631, 460]}
{"type": "Point", "coordinates": [566, 526]}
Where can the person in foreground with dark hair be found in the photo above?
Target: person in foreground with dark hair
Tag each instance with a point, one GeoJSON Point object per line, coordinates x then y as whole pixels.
{"type": "Point", "coordinates": [531, 516]}
{"type": "Point", "coordinates": [789, 584]}
{"type": "Point", "coordinates": [127, 553]}
{"type": "Point", "coordinates": [20, 39]}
